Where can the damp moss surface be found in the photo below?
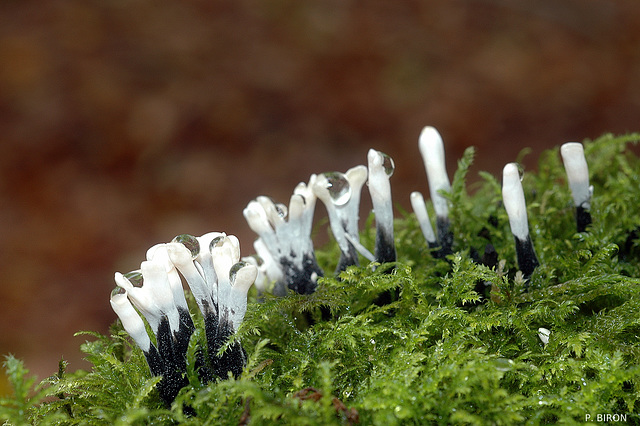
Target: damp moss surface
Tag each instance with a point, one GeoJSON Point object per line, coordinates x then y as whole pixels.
{"type": "Point", "coordinates": [424, 340]}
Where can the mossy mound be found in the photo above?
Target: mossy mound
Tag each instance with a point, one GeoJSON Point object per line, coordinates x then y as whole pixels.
{"type": "Point", "coordinates": [421, 341]}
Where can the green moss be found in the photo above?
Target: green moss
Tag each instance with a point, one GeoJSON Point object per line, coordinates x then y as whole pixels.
{"type": "Point", "coordinates": [413, 343]}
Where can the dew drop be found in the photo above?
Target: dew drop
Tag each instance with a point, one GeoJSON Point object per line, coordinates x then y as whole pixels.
{"type": "Point", "coordinates": [338, 187]}
{"type": "Point", "coordinates": [281, 209]}
{"type": "Point", "coordinates": [118, 290]}
{"type": "Point", "coordinates": [135, 278]}
{"type": "Point", "coordinates": [216, 242]}
{"type": "Point", "coordinates": [190, 242]}
{"type": "Point", "coordinates": [234, 270]}
{"type": "Point", "coordinates": [388, 164]}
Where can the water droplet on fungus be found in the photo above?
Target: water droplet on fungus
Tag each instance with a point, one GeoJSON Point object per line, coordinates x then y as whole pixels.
{"type": "Point", "coordinates": [190, 242]}
{"type": "Point", "coordinates": [135, 278]}
{"type": "Point", "coordinates": [338, 187]}
{"type": "Point", "coordinates": [234, 270]}
{"type": "Point", "coordinates": [216, 242]}
{"type": "Point", "coordinates": [117, 290]}
{"type": "Point", "coordinates": [388, 164]}
{"type": "Point", "coordinates": [281, 209]}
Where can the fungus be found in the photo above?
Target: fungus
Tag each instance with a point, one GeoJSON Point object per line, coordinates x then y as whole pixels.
{"type": "Point", "coordinates": [514, 203]}
{"type": "Point", "coordinates": [432, 151]}
{"type": "Point", "coordinates": [284, 244]}
{"type": "Point", "coordinates": [578, 175]}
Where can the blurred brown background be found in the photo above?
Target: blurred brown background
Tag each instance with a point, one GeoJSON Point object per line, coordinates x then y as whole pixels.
{"type": "Point", "coordinates": [124, 123]}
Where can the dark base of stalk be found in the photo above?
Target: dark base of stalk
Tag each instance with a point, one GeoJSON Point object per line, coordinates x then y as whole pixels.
{"type": "Point", "coordinates": [387, 297]}
{"type": "Point", "coordinates": [302, 281]}
{"type": "Point", "coordinates": [628, 249]}
{"type": "Point", "coordinates": [445, 237]}
{"type": "Point", "coordinates": [170, 385]}
{"type": "Point", "coordinates": [347, 259]}
{"type": "Point", "coordinates": [526, 255]}
{"type": "Point", "coordinates": [385, 251]}
{"type": "Point", "coordinates": [490, 260]}
{"type": "Point", "coordinates": [233, 359]}
{"type": "Point", "coordinates": [583, 218]}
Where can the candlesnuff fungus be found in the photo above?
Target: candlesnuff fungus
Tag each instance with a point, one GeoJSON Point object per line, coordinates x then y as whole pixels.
{"type": "Point", "coordinates": [284, 244]}
{"type": "Point", "coordinates": [381, 168]}
{"type": "Point", "coordinates": [340, 193]}
{"type": "Point", "coordinates": [514, 203]}
{"type": "Point", "coordinates": [219, 282]}
{"type": "Point", "coordinates": [578, 175]}
{"type": "Point", "coordinates": [293, 335]}
{"type": "Point", "coordinates": [432, 151]}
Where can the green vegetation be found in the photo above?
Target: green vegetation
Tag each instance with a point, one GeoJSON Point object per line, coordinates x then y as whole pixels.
{"type": "Point", "coordinates": [413, 342]}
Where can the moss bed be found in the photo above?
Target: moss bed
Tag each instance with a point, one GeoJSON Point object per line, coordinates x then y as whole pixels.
{"type": "Point", "coordinates": [415, 342]}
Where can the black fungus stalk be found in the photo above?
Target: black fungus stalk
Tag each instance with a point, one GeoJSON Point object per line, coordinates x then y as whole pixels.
{"type": "Point", "coordinates": [514, 203]}
{"type": "Point", "coordinates": [577, 170]}
{"type": "Point", "coordinates": [432, 151]}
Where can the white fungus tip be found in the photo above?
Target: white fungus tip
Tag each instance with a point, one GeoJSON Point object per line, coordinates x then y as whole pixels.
{"type": "Point", "coordinates": [256, 217]}
{"type": "Point", "coordinates": [514, 202]}
{"type": "Point", "coordinates": [357, 176]}
{"type": "Point", "coordinates": [130, 319]}
{"type": "Point", "coordinates": [577, 170]}
{"type": "Point", "coordinates": [432, 151]}
{"type": "Point", "coordinates": [420, 210]}
{"type": "Point", "coordinates": [244, 277]}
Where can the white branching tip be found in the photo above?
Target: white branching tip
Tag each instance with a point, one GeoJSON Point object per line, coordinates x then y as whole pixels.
{"type": "Point", "coordinates": [577, 170]}
{"type": "Point", "coordinates": [381, 168]}
{"type": "Point", "coordinates": [340, 193]}
{"type": "Point", "coordinates": [420, 210]}
{"type": "Point", "coordinates": [269, 270]}
{"type": "Point", "coordinates": [514, 202]}
{"type": "Point", "coordinates": [160, 253]}
{"type": "Point", "coordinates": [130, 319]}
{"type": "Point", "coordinates": [242, 275]}
{"type": "Point", "coordinates": [286, 241]}
{"type": "Point", "coordinates": [183, 251]}
{"type": "Point", "coordinates": [134, 325]}
{"type": "Point", "coordinates": [132, 282]}
{"type": "Point", "coordinates": [432, 151]}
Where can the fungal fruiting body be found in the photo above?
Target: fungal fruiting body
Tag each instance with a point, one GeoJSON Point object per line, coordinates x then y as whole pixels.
{"type": "Point", "coordinates": [515, 205]}
{"type": "Point", "coordinates": [577, 170]}
{"type": "Point", "coordinates": [340, 193]}
{"type": "Point", "coordinates": [219, 282]}
{"type": "Point", "coordinates": [432, 151]}
{"type": "Point", "coordinates": [420, 210]}
{"type": "Point", "coordinates": [381, 168]}
{"type": "Point", "coordinates": [284, 245]}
